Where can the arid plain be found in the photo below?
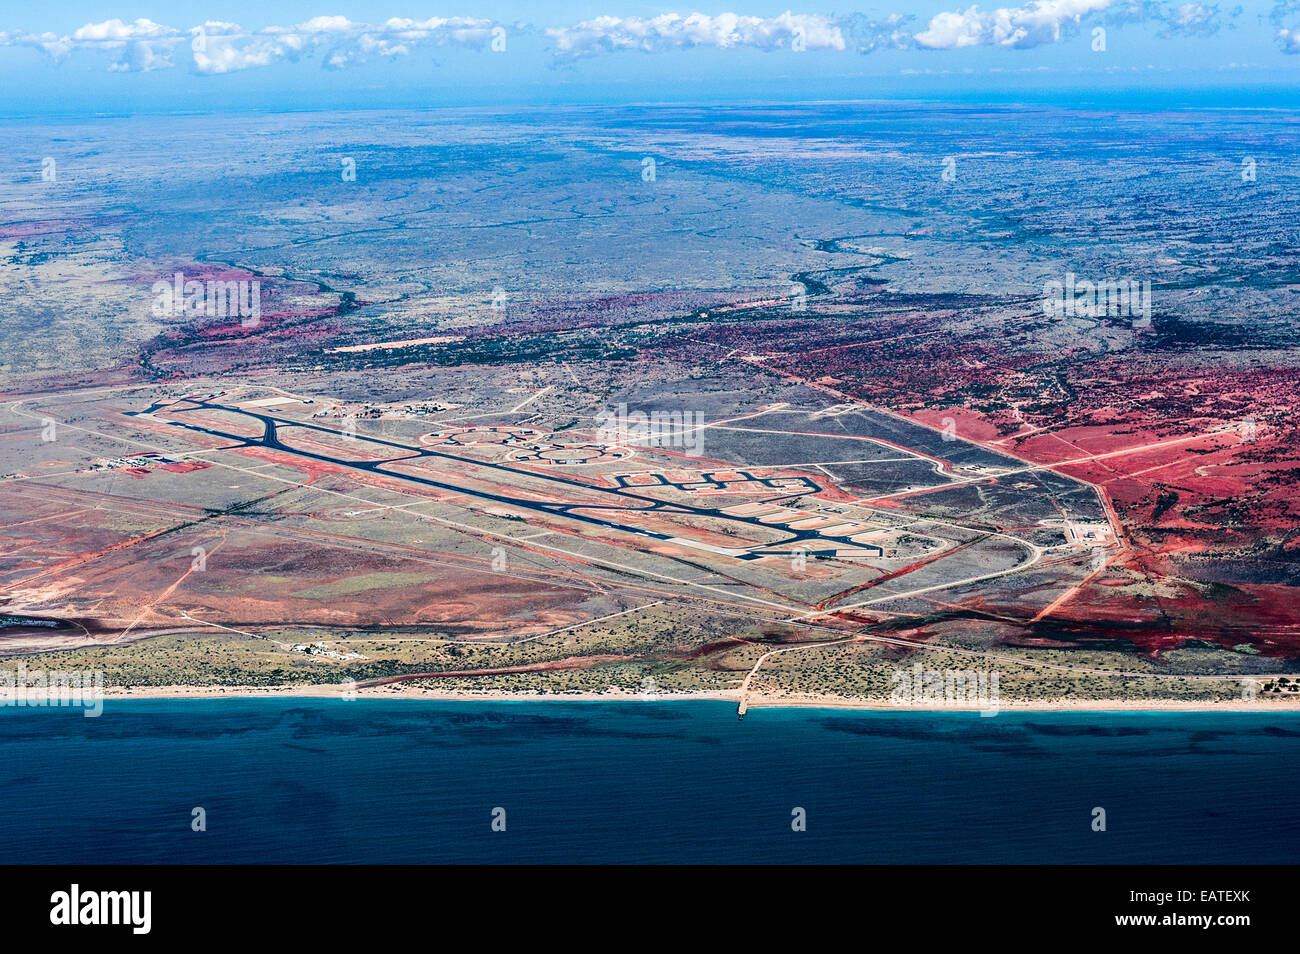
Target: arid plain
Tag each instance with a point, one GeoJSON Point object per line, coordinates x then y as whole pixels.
{"type": "Point", "coordinates": [761, 403]}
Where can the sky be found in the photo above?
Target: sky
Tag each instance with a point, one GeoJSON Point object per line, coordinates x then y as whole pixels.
{"type": "Point", "coordinates": [97, 56]}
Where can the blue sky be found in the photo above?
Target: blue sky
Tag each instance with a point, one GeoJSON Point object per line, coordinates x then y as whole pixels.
{"type": "Point", "coordinates": [92, 55]}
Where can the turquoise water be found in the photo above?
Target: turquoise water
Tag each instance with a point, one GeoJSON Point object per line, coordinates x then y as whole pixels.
{"type": "Point", "coordinates": [289, 780]}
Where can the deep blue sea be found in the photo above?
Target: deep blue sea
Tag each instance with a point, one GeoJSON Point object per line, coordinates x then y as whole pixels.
{"type": "Point", "coordinates": [299, 781]}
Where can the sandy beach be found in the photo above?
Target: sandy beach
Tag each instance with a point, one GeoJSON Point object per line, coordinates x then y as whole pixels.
{"type": "Point", "coordinates": [755, 700]}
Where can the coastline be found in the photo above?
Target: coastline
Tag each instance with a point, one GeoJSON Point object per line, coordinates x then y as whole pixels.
{"type": "Point", "coordinates": [753, 700]}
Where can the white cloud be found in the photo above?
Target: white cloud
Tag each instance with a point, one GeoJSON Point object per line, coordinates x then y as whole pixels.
{"type": "Point", "coordinates": [343, 41]}
{"type": "Point", "coordinates": [1283, 17]}
{"type": "Point", "coordinates": [867, 34]}
{"type": "Point", "coordinates": [674, 31]}
{"type": "Point", "coordinates": [1192, 14]}
{"type": "Point", "coordinates": [142, 45]}
{"type": "Point", "coordinates": [231, 53]}
{"type": "Point", "coordinates": [397, 36]}
{"type": "Point", "coordinates": [1190, 19]}
{"type": "Point", "coordinates": [56, 46]}
{"type": "Point", "coordinates": [1042, 21]}
{"type": "Point", "coordinates": [141, 57]}
{"type": "Point", "coordinates": [115, 32]}
{"type": "Point", "coordinates": [222, 47]}
{"type": "Point", "coordinates": [336, 42]}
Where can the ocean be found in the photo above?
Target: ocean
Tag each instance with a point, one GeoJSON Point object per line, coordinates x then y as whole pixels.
{"type": "Point", "coordinates": [403, 781]}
